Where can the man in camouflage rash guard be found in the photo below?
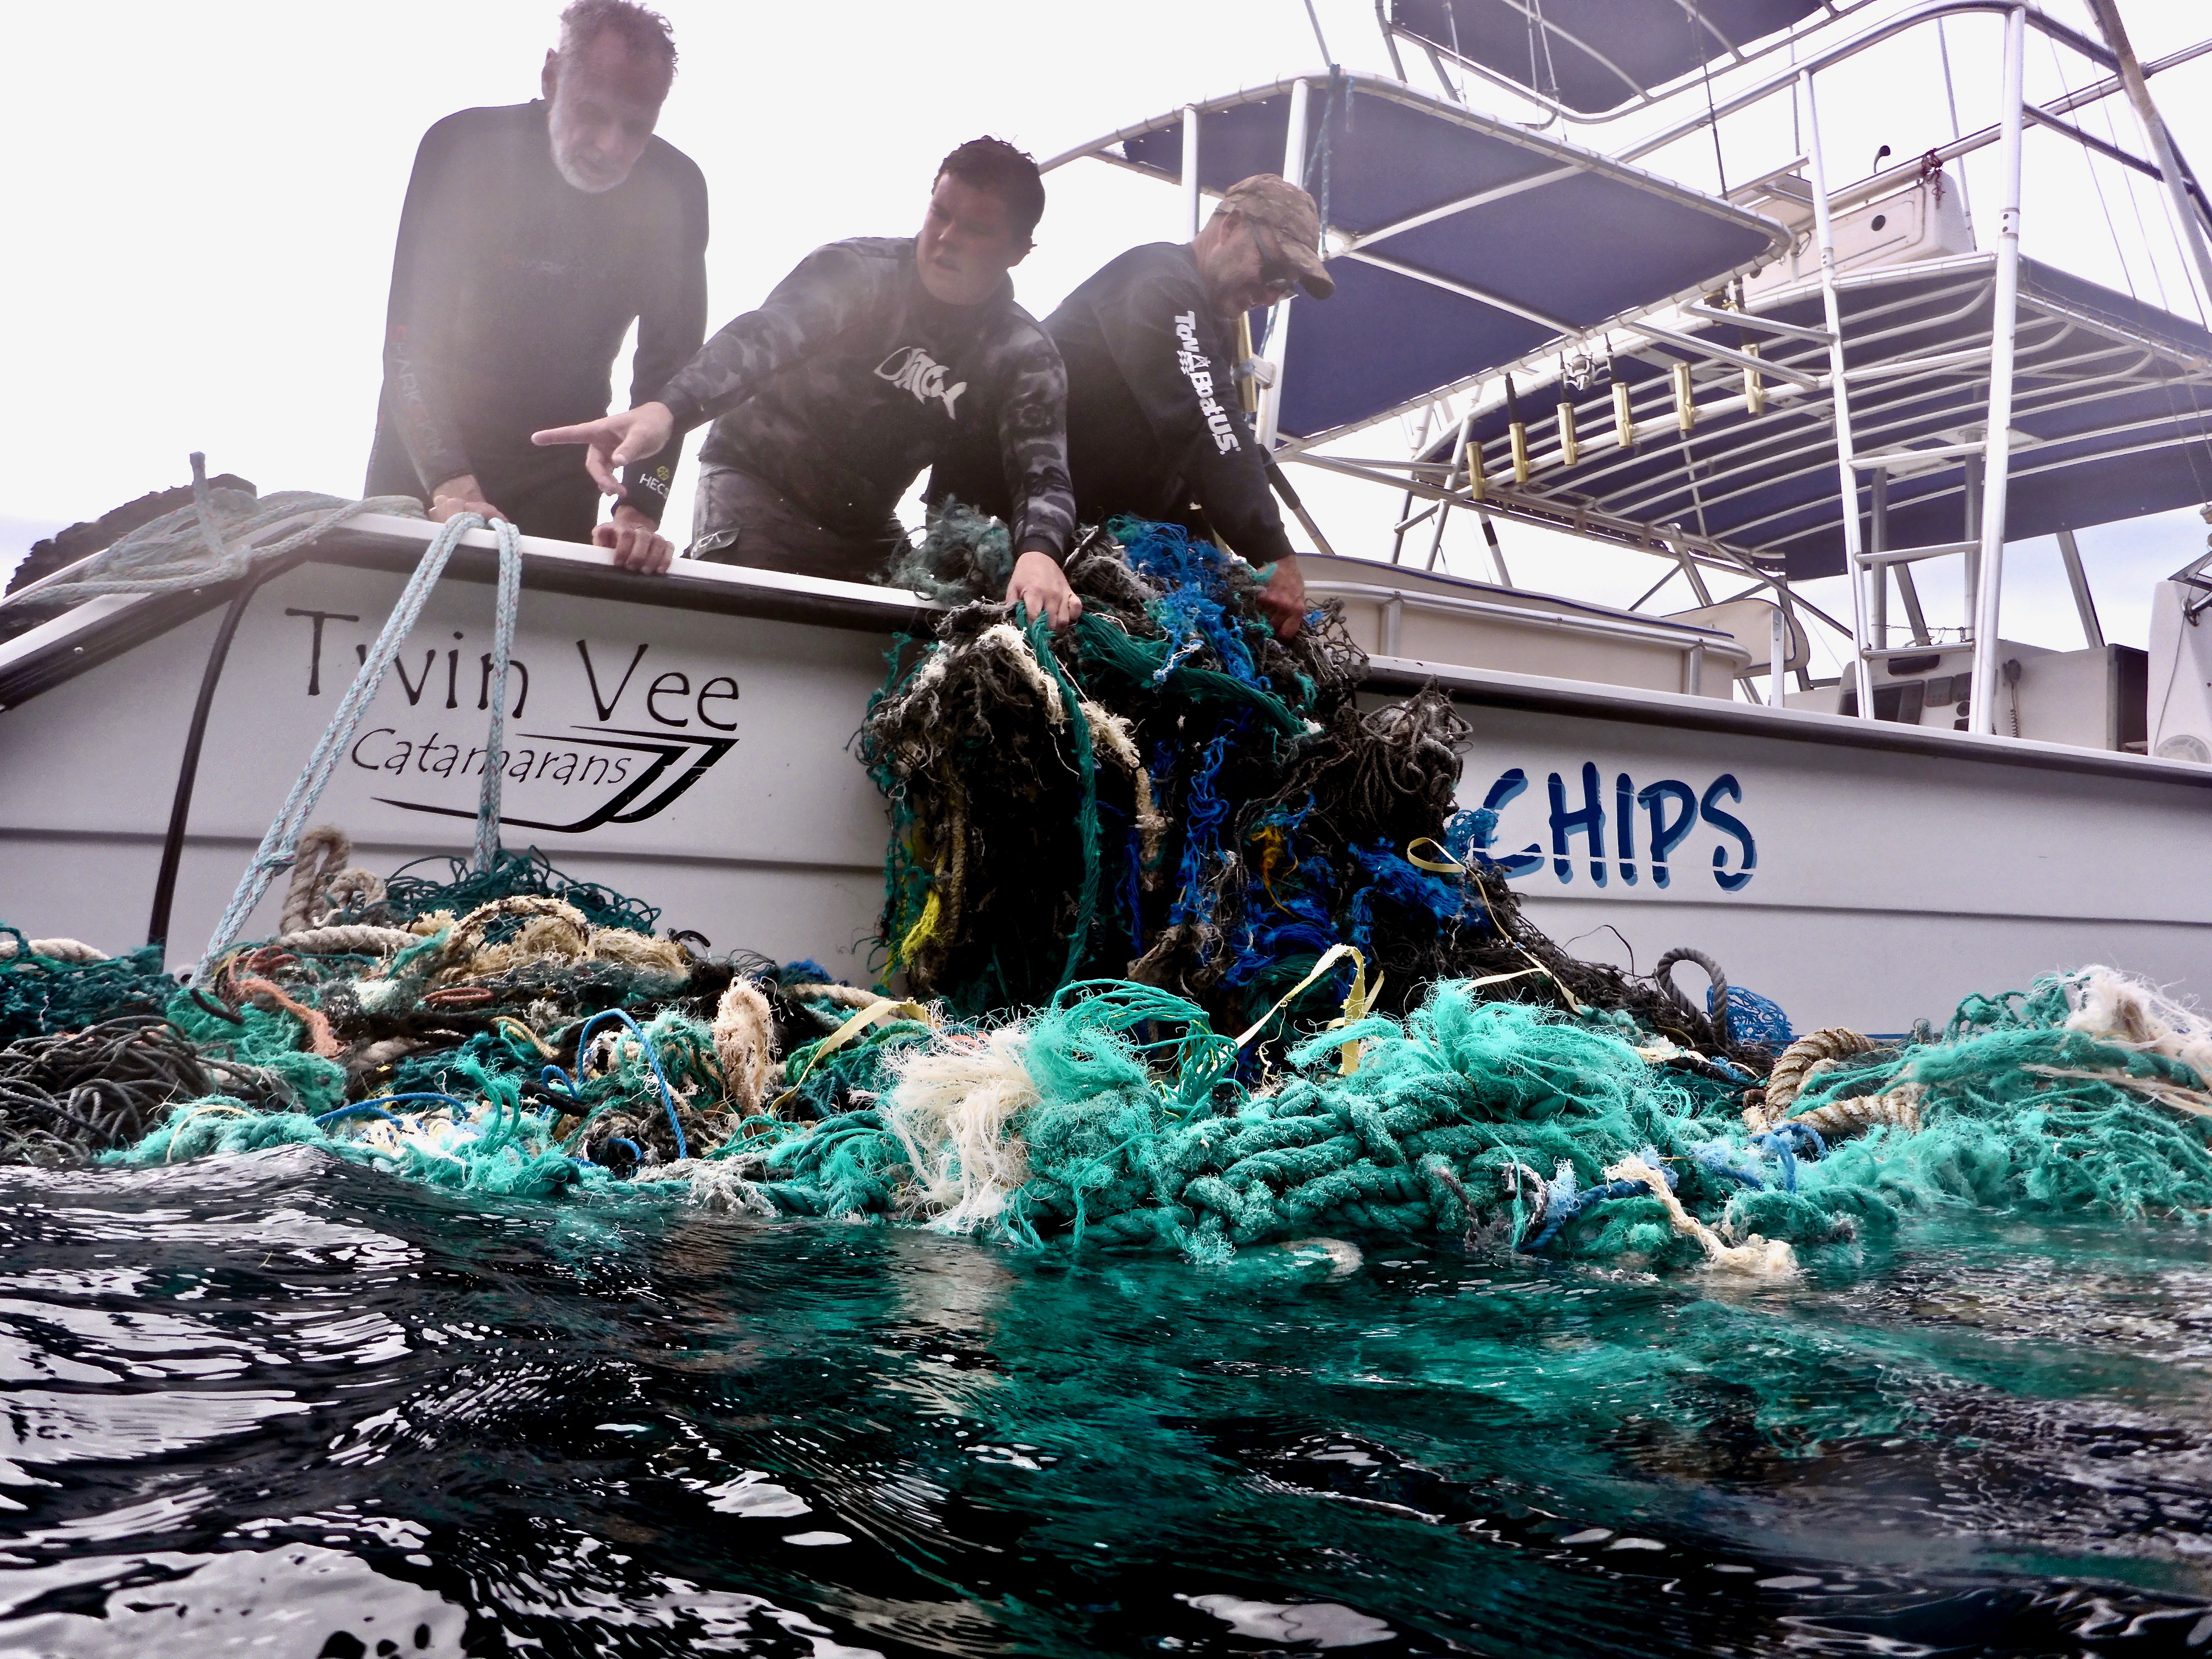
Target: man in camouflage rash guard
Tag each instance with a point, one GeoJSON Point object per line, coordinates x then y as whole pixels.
{"type": "Point", "coordinates": [872, 360]}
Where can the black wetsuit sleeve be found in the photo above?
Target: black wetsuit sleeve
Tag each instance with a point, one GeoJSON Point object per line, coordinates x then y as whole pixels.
{"type": "Point", "coordinates": [1168, 348]}
{"type": "Point", "coordinates": [419, 325]}
{"type": "Point", "coordinates": [831, 290]}
{"type": "Point", "coordinates": [669, 333]}
{"type": "Point", "coordinates": [1033, 448]}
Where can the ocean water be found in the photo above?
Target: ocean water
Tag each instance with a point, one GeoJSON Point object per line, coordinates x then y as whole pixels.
{"type": "Point", "coordinates": [281, 1405]}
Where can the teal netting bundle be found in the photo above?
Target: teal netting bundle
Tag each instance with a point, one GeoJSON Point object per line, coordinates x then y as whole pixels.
{"type": "Point", "coordinates": [41, 993]}
{"type": "Point", "coordinates": [1543, 1131]}
{"type": "Point", "coordinates": [1121, 1116]}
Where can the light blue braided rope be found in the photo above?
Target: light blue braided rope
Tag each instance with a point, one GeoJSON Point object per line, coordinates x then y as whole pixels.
{"type": "Point", "coordinates": [279, 849]}
{"type": "Point", "coordinates": [503, 645]}
{"type": "Point", "coordinates": [214, 539]}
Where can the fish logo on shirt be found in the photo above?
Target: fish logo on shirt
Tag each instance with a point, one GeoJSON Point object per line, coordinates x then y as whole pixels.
{"type": "Point", "coordinates": [915, 370]}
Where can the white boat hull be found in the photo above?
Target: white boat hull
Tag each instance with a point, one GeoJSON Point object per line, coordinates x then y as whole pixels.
{"type": "Point", "coordinates": [686, 741]}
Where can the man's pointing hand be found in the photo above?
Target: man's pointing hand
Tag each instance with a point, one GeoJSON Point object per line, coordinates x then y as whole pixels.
{"type": "Point", "coordinates": [615, 440]}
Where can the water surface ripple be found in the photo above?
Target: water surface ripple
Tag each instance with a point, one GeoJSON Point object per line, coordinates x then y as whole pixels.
{"type": "Point", "coordinates": [281, 1405]}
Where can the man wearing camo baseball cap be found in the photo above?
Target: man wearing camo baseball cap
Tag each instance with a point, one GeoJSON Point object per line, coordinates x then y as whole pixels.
{"type": "Point", "coordinates": [1155, 427]}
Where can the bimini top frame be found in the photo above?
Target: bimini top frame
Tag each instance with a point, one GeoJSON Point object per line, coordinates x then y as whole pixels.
{"type": "Point", "coordinates": [2111, 419]}
{"type": "Point", "coordinates": [1458, 241]}
{"type": "Point", "coordinates": [2107, 390]}
{"type": "Point", "coordinates": [1594, 61]}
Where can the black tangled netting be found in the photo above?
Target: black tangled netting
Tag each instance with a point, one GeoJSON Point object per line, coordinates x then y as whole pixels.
{"type": "Point", "coordinates": [528, 874]}
{"type": "Point", "coordinates": [1168, 793]}
{"type": "Point", "coordinates": [66, 1094]}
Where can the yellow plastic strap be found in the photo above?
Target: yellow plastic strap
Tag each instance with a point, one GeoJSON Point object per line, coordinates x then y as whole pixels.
{"type": "Point", "coordinates": [1356, 1002]}
{"type": "Point", "coordinates": [1442, 864]}
{"type": "Point", "coordinates": [851, 1029]}
{"type": "Point", "coordinates": [1500, 979]}
{"type": "Point", "coordinates": [1330, 958]}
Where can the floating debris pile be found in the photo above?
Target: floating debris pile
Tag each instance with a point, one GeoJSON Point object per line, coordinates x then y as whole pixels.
{"type": "Point", "coordinates": [1112, 850]}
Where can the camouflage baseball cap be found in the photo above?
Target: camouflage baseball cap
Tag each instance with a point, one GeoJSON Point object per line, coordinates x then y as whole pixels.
{"type": "Point", "coordinates": [1275, 204]}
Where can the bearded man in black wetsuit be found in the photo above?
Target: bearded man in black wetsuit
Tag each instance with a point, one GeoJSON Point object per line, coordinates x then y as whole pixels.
{"type": "Point", "coordinates": [874, 359]}
{"type": "Point", "coordinates": [532, 237]}
{"type": "Point", "coordinates": [1154, 425]}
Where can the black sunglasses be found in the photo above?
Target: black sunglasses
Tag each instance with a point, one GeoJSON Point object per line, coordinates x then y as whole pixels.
{"type": "Point", "coordinates": [1277, 275]}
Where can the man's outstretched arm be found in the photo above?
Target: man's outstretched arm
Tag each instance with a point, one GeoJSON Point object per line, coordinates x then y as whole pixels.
{"type": "Point", "coordinates": [1033, 450]}
{"type": "Point", "coordinates": [670, 328]}
{"type": "Point", "coordinates": [828, 290]}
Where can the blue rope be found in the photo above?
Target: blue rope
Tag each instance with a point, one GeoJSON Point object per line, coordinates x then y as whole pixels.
{"type": "Point", "coordinates": [1564, 1209]}
{"type": "Point", "coordinates": [374, 1104]}
{"type": "Point", "coordinates": [1722, 1159]}
{"type": "Point", "coordinates": [1779, 1140]}
{"type": "Point", "coordinates": [359, 1106]}
{"type": "Point", "coordinates": [667, 1096]}
{"type": "Point", "coordinates": [279, 849]}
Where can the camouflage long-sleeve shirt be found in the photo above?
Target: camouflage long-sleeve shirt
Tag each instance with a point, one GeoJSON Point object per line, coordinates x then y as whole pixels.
{"type": "Point", "coordinates": [851, 379]}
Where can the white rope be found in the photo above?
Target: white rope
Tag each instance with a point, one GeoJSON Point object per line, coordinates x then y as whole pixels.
{"type": "Point", "coordinates": [213, 540]}
{"type": "Point", "coordinates": [280, 847]}
{"type": "Point", "coordinates": [57, 949]}
{"type": "Point", "coordinates": [351, 938]}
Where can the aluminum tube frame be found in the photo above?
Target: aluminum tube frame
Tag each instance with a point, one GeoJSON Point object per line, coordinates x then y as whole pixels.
{"type": "Point", "coordinates": [1641, 99]}
{"type": "Point", "coordinates": [1444, 507]}
{"type": "Point", "coordinates": [1278, 323]}
{"type": "Point", "coordinates": [2188, 226]}
{"type": "Point", "coordinates": [2077, 578]}
{"type": "Point", "coordinates": [2095, 53]}
{"type": "Point", "coordinates": [1878, 611]}
{"type": "Point", "coordinates": [1846, 470]}
{"type": "Point", "coordinates": [2004, 326]}
{"type": "Point", "coordinates": [1193, 199]}
{"type": "Point", "coordinates": [1405, 519]}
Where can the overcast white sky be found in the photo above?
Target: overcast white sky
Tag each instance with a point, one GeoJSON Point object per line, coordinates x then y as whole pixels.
{"type": "Point", "coordinates": [202, 207]}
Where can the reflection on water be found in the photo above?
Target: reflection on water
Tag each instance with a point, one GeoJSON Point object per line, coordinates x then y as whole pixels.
{"type": "Point", "coordinates": [283, 1406]}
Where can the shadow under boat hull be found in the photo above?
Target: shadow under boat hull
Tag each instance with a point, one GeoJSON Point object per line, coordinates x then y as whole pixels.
{"type": "Point", "coordinates": [685, 740]}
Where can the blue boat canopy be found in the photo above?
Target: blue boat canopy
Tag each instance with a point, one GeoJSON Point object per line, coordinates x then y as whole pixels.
{"type": "Point", "coordinates": [2111, 419]}
{"type": "Point", "coordinates": [1459, 243]}
{"type": "Point", "coordinates": [1594, 57]}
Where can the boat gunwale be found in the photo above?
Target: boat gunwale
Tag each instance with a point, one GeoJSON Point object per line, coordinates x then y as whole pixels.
{"type": "Point", "coordinates": [103, 628]}
{"type": "Point", "coordinates": [1542, 694]}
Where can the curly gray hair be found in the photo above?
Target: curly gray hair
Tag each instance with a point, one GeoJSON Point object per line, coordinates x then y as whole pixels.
{"type": "Point", "coordinates": [646, 34]}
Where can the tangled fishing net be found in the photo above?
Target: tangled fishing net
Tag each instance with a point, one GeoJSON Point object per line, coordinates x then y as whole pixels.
{"type": "Point", "coordinates": [1170, 793]}
{"type": "Point", "coordinates": [1201, 957]}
